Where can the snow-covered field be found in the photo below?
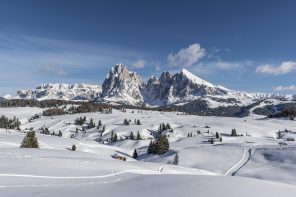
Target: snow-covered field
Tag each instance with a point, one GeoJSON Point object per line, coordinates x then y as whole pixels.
{"type": "Point", "coordinates": [250, 165]}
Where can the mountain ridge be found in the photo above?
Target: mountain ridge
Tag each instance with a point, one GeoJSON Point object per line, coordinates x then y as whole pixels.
{"type": "Point", "coordinates": [125, 87]}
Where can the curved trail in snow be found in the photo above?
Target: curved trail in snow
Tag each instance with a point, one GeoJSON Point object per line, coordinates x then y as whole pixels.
{"type": "Point", "coordinates": [243, 161]}
{"type": "Point", "coordinates": [81, 177]}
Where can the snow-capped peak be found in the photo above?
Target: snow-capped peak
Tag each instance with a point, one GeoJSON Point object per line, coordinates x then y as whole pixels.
{"type": "Point", "coordinates": [195, 79]}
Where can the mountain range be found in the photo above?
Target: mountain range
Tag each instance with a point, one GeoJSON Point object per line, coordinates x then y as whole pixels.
{"type": "Point", "coordinates": [125, 87]}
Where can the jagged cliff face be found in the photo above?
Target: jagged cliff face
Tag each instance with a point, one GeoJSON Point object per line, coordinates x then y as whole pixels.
{"type": "Point", "coordinates": [127, 87]}
{"type": "Point", "coordinates": [61, 91]}
{"type": "Point", "coordinates": [121, 85]}
{"type": "Point", "coordinates": [180, 87]}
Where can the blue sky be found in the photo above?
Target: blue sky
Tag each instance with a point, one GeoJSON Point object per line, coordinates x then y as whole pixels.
{"type": "Point", "coordinates": [243, 45]}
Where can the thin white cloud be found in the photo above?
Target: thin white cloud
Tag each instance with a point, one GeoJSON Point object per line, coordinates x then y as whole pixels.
{"type": "Point", "coordinates": [283, 68]}
{"type": "Point", "coordinates": [186, 57]}
{"type": "Point", "coordinates": [157, 68]}
{"type": "Point", "coordinates": [139, 63]}
{"type": "Point", "coordinates": [53, 70]}
{"type": "Point", "coordinates": [285, 88]}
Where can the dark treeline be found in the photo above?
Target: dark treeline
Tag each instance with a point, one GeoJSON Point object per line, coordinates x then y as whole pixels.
{"type": "Point", "coordinates": [8, 123]}
{"type": "Point", "coordinates": [287, 113]}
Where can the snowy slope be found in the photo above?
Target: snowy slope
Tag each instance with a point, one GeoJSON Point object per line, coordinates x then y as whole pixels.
{"type": "Point", "coordinates": [53, 170]}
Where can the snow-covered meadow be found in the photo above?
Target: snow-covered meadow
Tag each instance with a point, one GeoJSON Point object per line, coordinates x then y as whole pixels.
{"type": "Point", "coordinates": [250, 165]}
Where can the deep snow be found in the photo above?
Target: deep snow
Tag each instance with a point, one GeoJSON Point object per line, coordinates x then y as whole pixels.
{"type": "Point", "coordinates": [204, 169]}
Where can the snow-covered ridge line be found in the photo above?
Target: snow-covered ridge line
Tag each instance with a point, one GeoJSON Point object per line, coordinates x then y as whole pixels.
{"type": "Point", "coordinates": [125, 87]}
{"type": "Point", "coordinates": [62, 91]}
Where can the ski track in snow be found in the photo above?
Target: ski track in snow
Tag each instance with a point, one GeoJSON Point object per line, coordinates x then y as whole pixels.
{"type": "Point", "coordinates": [243, 161]}
{"type": "Point", "coordinates": [81, 177]}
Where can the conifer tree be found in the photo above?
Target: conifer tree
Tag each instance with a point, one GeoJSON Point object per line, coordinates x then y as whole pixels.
{"type": "Point", "coordinates": [233, 132]}
{"type": "Point", "coordinates": [217, 135]}
{"type": "Point", "coordinates": [30, 140]}
{"type": "Point", "coordinates": [212, 140]}
{"type": "Point", "coordinates": [115, 138]}
{"type": "Point", "coordinates": [161, 145]}
{"type": "Point", "coordinates": [138, 122]}
{"type": "Point", "coordinates": [91, 123]}
{"type": "Point", "coordinates": [125, 122]}
{"type": "Point", "coordinates": [176, 159]}
{"type": "Point", "coordinates": [150, 148]}
{"type": "Point", "coordinates": [73, 147]}
{"type": "Point", "coordinates": [168, 126]}
{"type": "Point", "coordinates": [132, 136]}
{"type": "Point", "coordinates": [138, 136]}
{"type": "Point", "coordinates": [135, 154]}
{"type": "Point", "coordinates": [100, 123]}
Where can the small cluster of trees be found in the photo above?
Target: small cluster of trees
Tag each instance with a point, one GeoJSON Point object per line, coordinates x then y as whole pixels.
{"type": "Point", "coordinates": [126, 122]}
{"type": "Point", "coordinates": [137, 122]}
{"type": "Point", "coordinates": [80, 120]}
{"type": "Point", "coordinates": [91, 124]}
{"type": "Point", "coordinates": [90, 107]}
{"type": "Point", "coordinates": [53, 112]}
{"type": "Point", "coordinates": [189, 135]}
{"type": "Point", "coordinates": [8, 123]}
{"type": "Point", "coordinates": [288, 113]}
{"type": "Point", "coordinates": [133, 137]}
{"type": "Point", "coordinates": [164, 127]}
{"type": "Point", "coordinates": [36, 116]}
{"type": "Point", "coordinates": [45, 131]}
{"type": "Point", "coordinates": [160, 146]}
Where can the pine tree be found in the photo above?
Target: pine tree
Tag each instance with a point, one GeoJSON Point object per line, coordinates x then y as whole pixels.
{"type": "Point", "coordinates": [217, 135]}
{"type": "Point", "coordinates": [135, 154]}
{"type": "Point", "coordinates": [60, 134]}
{"type": "Point", "coordinates": [138, 122]}
{"type": "Point", "coordinates": [100, 123]}
{"type": "Point", "coordinates": [115, 138]}
{"type": "Point", "coordinates": [138, 136]}
{"type": "Point", "coordinates": [132, 136]}
{"type": "Point", "coordinates": [163, 127]}
{"type": "Point", "coordinates": [212, 140]}
{"type": "Point", "coordinates": [233, 132]}
{"type": "Point", "coordinates": [30, 140]}
{"type": "Point", "coordinates": [73, 147]}
{"type": "Point", "coordinates": [150, 148]}
{"type": "Point", "coordinates": [168, 126]}
{"type": "Point", "coordinates": [161, 145]}
{"type": "Point", "coordinates": [176, 159]}
{"type": "Point", "coordinates": [112, 136]}
{"type": "Point", "coordinates": [103, 130]}
{"type": "Point", "coordinates": [125, 122]}
{"type": "Point", "coordinates": [91, 123]}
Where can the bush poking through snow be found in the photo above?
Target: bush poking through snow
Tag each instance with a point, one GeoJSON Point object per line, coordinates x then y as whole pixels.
{"type": "Point", "coordinates": [30, 140]}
